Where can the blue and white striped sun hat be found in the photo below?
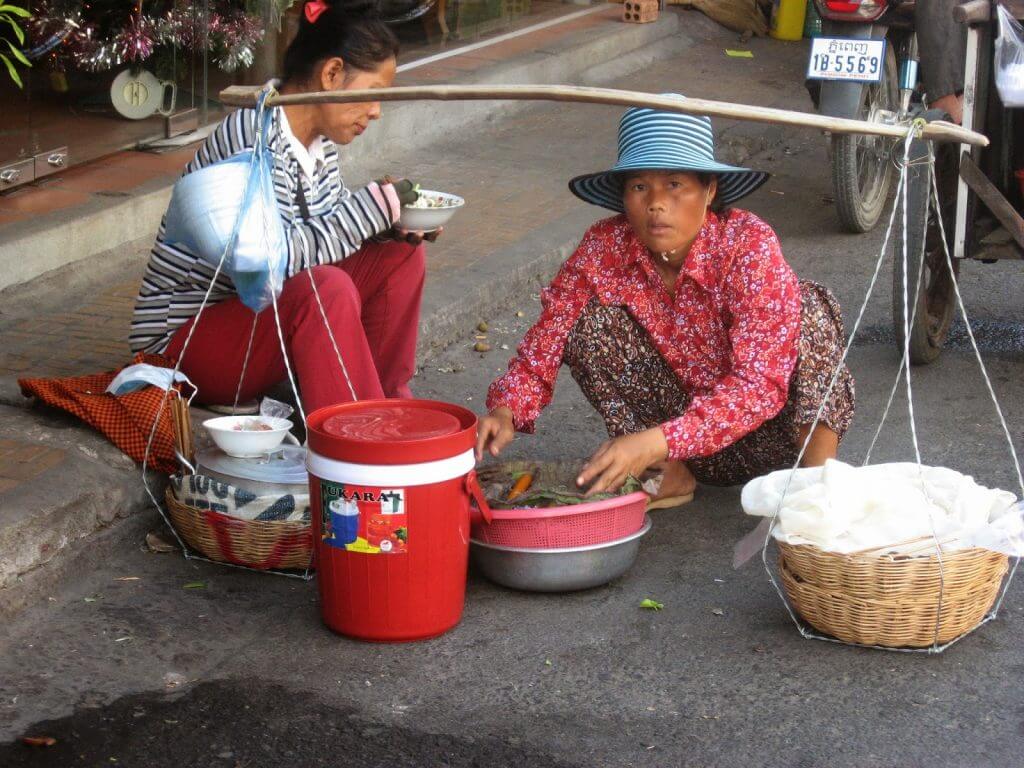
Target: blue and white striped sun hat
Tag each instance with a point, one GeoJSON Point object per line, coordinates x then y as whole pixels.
{"type": "Point", "coordinates": [655, 140]}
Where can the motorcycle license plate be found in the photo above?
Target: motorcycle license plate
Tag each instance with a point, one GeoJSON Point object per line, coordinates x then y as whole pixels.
{"type": "Point", "coordinates": [843, 58]}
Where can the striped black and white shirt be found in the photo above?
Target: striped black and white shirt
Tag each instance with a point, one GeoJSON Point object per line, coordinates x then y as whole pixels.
{"type": "Point", "coordinates": [339, 222]}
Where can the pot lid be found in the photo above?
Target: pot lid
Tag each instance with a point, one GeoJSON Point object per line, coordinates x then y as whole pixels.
{"type": "Point", "coordinates": [287, 465]}
{"type": "Point", "coordinates": [390, 422]}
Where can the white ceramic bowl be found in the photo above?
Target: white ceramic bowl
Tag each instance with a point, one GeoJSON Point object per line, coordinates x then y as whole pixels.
{"type": "Point", "coordinates": [248, 444]}
{"type": "Point", "coordinates": [428, 219]}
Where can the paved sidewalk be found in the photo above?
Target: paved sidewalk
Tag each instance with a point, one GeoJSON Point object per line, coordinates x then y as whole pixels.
{"type": "Point", "coordinates": [76, 339]}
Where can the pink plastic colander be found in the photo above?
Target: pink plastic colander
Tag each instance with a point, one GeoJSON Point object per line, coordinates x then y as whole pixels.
{"type": "Point", "coordinates": [576, 525]}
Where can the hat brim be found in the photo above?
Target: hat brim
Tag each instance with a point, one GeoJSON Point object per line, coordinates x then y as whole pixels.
{"type": "Point", "coordinates": [605, 188]}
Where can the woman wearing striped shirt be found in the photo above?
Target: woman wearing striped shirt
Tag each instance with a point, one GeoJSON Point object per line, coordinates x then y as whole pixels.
{"type": "Point", "coordinates": [368, 273]}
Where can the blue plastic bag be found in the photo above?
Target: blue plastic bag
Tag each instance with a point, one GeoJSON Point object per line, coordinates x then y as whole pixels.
{"type": "Point", "coordinates": [227, 214]}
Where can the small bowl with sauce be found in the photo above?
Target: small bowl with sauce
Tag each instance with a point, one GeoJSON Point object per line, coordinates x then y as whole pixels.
{"type": "Point", "coordinates": [249, 437]}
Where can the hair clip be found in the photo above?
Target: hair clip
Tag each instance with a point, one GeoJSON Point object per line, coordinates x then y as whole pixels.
{"type": "Point", "coordinates": [314, 9]}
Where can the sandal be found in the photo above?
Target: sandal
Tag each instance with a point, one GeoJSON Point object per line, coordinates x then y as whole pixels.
{"type": "Point", "coordinates": [669, 501]}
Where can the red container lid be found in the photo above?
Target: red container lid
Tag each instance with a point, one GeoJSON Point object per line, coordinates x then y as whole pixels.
{"type": "Point", "coordinates": [394, 431]}
{"type": "Point", "coordinates": [388, 424]}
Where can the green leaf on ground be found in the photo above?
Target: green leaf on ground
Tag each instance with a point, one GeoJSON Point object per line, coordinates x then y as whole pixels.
{"type": "Point", "coordinates": [652, 605]}
{"type": "Point", "coordinates": [195, 585]}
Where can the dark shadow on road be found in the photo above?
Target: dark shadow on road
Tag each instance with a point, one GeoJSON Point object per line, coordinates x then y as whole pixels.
{"type": "Point", "coordinates": [249, 724]}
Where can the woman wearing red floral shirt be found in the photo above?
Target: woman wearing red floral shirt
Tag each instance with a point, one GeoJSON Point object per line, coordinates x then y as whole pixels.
{"type": "Point", "coordinates": [685, 327]}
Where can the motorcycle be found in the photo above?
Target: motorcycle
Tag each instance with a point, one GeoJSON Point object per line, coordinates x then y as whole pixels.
{"type": "Point", "coordinates": [864, 67]}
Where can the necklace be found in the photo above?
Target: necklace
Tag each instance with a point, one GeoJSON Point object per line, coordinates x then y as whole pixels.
{"type": "Point", "coordinates": [664, 256]}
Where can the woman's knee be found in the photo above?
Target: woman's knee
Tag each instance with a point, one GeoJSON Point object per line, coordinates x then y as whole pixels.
{"type": "Point", "coordinates": [332, 284]}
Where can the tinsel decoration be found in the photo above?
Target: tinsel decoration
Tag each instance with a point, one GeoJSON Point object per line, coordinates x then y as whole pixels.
{"type": "Point", "coordinates": [88, 53]}
{"type": "Point", "coordinates": [237, 37]}
{"type": "Point", "coordinates": [52, 30]}
{"type": "Point", "coordinates": [178, 27]}
{"type": "Point", "coordinates": [100, 35]}
{"type": "Point", "coordinates": [135, 43]}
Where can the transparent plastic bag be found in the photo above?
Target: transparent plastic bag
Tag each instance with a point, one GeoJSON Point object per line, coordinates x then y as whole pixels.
{"type": "Point", "coordinates": [1009, 59]}
{"type": "Point", "coordinates": [275, 408]}
{"type": "Point", "coordinates": [229, 210]}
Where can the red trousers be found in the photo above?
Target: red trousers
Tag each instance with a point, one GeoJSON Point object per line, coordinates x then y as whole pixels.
{"type": "Point", "coordinates": [372, 303]}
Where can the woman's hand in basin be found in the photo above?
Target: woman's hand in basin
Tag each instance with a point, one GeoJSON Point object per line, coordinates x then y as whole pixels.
{"type": "Point", "coordinates": [622, 457]}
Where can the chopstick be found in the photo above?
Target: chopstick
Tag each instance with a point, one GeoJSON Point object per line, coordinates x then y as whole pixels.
{"type": "Point", "coordinates": [182, 422]}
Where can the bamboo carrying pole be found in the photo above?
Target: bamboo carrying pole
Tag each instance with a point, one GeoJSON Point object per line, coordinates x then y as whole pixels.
{"type": "Point", "coordinates": [246, 96]}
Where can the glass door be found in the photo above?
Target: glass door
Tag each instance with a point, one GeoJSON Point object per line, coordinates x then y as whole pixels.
{"type": "Point", "coordinates": [108, 75]}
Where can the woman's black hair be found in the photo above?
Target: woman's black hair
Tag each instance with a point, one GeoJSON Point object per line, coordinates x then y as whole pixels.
{"type": "Point", "coordinates": [350, 31]}
{"type": "Point", "coordinates": [705, 180]}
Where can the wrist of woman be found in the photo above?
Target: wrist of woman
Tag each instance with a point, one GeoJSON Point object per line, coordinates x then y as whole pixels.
{"type": "Point", "coordinates": [505, 413]}
{"type": "Point", "coordinates": [394, 203]}
{"type": "Point", "coordinates": [658, 444]}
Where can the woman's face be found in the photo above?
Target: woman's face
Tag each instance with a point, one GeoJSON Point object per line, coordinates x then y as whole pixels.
{"type": "Point", "coordinates": [342, 123]}
{"type": "Point", "coordinates": [666, 209]}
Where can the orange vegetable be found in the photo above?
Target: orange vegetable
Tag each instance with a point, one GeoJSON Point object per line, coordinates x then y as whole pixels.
{"type": "Point", "coordinates": [520, 486]}
{"type": "Point", "coordinates": [38, 741]}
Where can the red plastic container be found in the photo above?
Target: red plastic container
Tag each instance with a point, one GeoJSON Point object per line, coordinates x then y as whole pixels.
{"type": "Point", "coordinates": [390, 483]}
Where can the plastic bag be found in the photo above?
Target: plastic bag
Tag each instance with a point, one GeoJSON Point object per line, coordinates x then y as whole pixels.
{"type": "Point", "coordinates": [229, 210]}
{"type": "Point", "coordinates": [275, 408]}
{"type": "Point", "coordinates": [1009, 59]}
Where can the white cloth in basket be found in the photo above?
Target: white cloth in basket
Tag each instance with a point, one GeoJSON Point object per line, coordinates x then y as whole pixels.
{"type": "Point", "coordinates": [842, 508]}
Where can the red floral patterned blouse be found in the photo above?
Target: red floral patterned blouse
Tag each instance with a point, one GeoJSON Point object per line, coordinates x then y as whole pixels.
{"type": "Point", "coordinates": [730, 332]}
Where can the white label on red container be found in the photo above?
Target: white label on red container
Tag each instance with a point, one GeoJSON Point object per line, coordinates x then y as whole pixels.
{"type": "Point", "coordinates": [364, 519]}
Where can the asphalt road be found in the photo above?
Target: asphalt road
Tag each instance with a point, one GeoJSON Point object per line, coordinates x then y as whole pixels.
{"type": "Point", "coordinates": [241, 672]}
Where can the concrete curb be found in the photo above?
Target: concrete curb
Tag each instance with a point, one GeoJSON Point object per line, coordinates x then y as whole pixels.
{"type": "Point", "coordinates": [494, 283]}
{"type": "Point", "coordinates": [89, 489]}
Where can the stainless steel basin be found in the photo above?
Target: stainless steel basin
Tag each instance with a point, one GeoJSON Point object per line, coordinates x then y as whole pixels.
{"type": "Point", "coordinates": [558, 570]}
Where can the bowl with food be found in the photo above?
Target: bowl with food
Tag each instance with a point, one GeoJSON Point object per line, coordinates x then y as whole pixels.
{"type": "Point", "coordinates": [248, 437]}
{"type": "Point", "coordinates": [431, 211]}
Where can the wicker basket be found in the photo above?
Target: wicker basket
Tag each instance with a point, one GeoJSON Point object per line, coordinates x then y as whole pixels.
{"type": "Point", "coordinates": [264, 545]}
{"type": "Point", "coordinates": [890, 600]}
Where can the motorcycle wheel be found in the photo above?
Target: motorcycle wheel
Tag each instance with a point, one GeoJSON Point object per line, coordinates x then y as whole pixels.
{"type": "Point", "coordinates": [862, 170]}
{"type": "Point", "coordinates": [935, 296]}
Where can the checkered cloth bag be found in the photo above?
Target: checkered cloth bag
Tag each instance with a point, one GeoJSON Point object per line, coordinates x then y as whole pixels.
{"type": "Point", "coordinates": [126, 420]}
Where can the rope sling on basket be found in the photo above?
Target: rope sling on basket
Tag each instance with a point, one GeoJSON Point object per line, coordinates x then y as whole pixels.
{"type": "Point", "coordinates": [263, 546]}
{"type": "Point", "coordinates": [914, 600]}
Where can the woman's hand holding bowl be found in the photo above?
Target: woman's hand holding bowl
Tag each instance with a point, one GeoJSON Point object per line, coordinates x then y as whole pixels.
{"type": "Point", "coordinates": [622, 457]}
{"type": "Point", "coordinates": [415, 238]}
{"type": "Point", "coordinates": [494, 432]}
{"type": "Point", "coordinates": [407, 194]}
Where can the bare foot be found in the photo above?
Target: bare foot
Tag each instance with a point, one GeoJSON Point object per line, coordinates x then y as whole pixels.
{"type": "Point", "coordinates": [676, 487]}
{"type": "Point", "coordinates": [823, 445]}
